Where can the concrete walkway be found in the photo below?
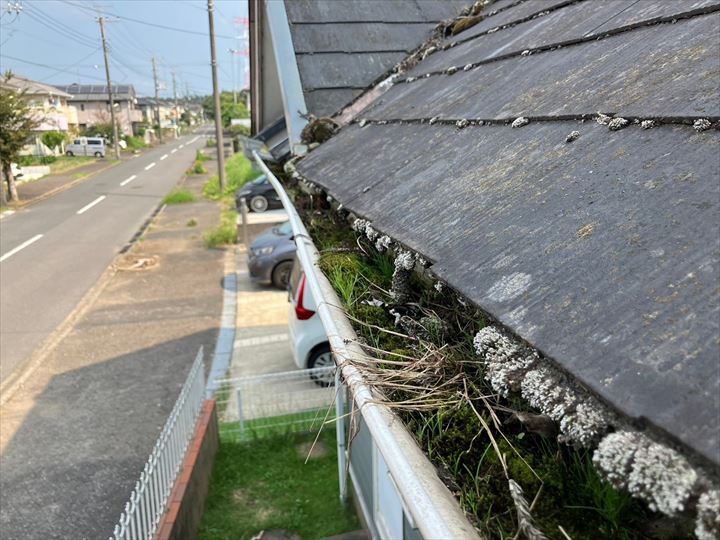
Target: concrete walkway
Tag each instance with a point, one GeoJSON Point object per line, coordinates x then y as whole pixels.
{"type": "Point", "coordinates": [74, 439]}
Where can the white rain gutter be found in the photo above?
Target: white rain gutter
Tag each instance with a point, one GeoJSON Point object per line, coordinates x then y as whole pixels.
{"type": "Point", "coordinates": [426, 500]}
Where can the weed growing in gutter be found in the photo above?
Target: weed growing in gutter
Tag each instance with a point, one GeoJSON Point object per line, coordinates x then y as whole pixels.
{"type": "Point", "coordinates": [497, 454]}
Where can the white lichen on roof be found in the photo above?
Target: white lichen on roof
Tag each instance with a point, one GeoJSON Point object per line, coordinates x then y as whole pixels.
{"type": "Point", "coordinates": [383, 243]}
{"type": "Point", "coordinates": [572, 136]}
{"type": "Point", "coordinates": [520, 122]}
{"type": "Point", "coordinates": [702, 124]}
{"type": "Point", "coordinates": [404, 260]}
{"type": "Point", "coordinates": [707, 524]}
{"type": "Point", "coordinates": [359, 225]}
{"type": "Point", "coordinates": [617, 123]}
{"type": "Point", "coordinates": [603, 119]}
{"type": "Point", "coordinates": [647, 470]}
{"type": "Point", "coordinates": [506, 359]}
{"type": "Point", "coordinates": [647, 124]}
{"type": "Point", "coordinates": [371, 233]}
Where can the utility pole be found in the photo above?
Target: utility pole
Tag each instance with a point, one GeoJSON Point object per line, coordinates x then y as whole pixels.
{"type": "Point", "coordinates": [157, 103]}
{"type": "Point", "coordinates": [234, 84]}
{"type": "Point", "coordinates": [177, 112]}
{"type": "Point", "coordinates": [116, 146]}
{"type": "Point", "coordinates": [216, 99]}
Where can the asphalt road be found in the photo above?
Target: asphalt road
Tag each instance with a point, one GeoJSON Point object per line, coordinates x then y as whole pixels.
{"type": "Point", "coordinates": [53, 252]}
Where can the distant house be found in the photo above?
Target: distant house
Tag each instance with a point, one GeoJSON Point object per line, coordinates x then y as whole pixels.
{"type": "Point", "coordinates": [49, 105]}
{"type": "Point", "coordinates": [91, 101]}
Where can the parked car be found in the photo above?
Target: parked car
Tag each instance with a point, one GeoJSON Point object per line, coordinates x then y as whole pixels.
{"type": "Point", "coordinates": [86, 146]}
{"type": "Point", "coordinates": [271, 256]}
{"type": "Point", "coordinates": [259, 195]}
{"type": "Point", "coordinates": [308, 341]}
{"type": "Point", "coordinates": [16, 170]}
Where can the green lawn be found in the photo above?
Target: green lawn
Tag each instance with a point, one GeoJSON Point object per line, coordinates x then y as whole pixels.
{"type": "Point", "coordinates": [266, 484]}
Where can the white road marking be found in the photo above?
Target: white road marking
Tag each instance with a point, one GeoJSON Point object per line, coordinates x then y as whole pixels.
{"type": "Point", "coordinates": [89, 206]}
{"type": "Point", "coordinates": [150, 166]}
{"type": "Point", "coordinates": [181, 146]}
{"type": "Point", "coordinates": [173, 150]}
{"type": "Point", "coordinates": [163, 157]}
{"type": "Point", "coordinates": [195, 139]}
{"type": "Point", "coordinates": [260, 340]}
{"type": "Point", "coordinates": [124, 182]}
{"type": "Point", "coordinates": [7, 213]}
{"type": "Point", "coordinates": [21, 246]}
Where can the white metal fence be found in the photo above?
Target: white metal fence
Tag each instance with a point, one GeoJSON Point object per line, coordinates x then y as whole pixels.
{"type": "Point", "coordinates": [148, 500]}
{"type": "Point", "coordinates": [261, 405]}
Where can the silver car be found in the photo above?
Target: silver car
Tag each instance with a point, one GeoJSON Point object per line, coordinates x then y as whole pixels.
{"type": "Point", "coordinates": [271, 256]}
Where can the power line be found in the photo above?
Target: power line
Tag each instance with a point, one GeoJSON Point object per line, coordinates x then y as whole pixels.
{"type": "Point", "coordinates": [154, 25]}
{"type": "Point", "coordinates": [48, 67]}
{"type": "Point", "coordinates": [56, 25]}
{"type": "Point", "coordinates": [76, 64]}
{"type": "Point", "coordinates": [58, 30]}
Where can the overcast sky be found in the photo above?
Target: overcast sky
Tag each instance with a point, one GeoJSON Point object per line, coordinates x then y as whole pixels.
{"type": "Point", "coordinates": [58, 42]}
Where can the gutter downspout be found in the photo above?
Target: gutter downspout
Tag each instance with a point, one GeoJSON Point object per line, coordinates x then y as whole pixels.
{"type": "Point", "coordinates": [288, 73]}
{"type": "Point", "coordinates": [427, 501]}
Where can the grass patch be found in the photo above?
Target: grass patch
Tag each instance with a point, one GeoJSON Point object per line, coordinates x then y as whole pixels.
{"type": "Point", "coordinates": [238, 170]}
{"type": "Point", "coordinates": [225, 233]}
{"type": "Point", "coordinates": [80, 176]}
{"type": "Point", "coordinates": [201, 156]}
{"type": "Point", "coordinates": [266, 484]}
{"type": "Point", "coordinates": [134, 143]}
{"type": "Point", "coordinates": [179, 196]}
{"type": "Point", "coordinates": [192, 222]}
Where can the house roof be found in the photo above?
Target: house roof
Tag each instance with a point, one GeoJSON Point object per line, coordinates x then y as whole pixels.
{"type": "Point", "coordinates": [98, 92]}
{"type": "Point", "coordinates": [344, 46]}
{"type": "Point", "coordinates": [602, 252]}
{"type": "Point", "coordinates": [32, 87]}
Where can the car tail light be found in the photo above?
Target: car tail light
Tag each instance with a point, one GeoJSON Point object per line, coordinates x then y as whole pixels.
{"type": "Point", "coordinates": [301, 312]}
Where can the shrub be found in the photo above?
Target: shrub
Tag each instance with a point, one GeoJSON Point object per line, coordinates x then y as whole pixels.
{"type": "Point", "coordinates": [239, 172]}
{"type": "Point", "coordinates": [53, 139]}
{"type": "Point", "coordinates": [211, 143]}
{"type": "Point", "coordinates": [29, 161]}
{"type": "Point", "coordinates": [200, 156]}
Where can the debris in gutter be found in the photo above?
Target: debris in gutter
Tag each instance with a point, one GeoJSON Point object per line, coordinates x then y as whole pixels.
{"type": "Point", "coordinates": [526, 52]}
{"type": "Point", "coordinates": [433, 120]}
{"type": "Point", "coordinates": [702, 124]}
{"type": "Point", "coordinates": [410, 79]}
{"type": "Point", "coordinates": [318, 130]}
{"type": "Point", "coordinates": [468, 67]}
{"type": "Point", "coordinates": [524, 515]}
{"type": "Point", "coordinates": [520, 122]}
{"type": "Point", "coordinates": [647, 124]}
{"type": "Point", "coordinates": [401, 286]}
{"type": "Point", "coordinates": [573, 136]}
{"type": "Point", "coordinates": [462, 123]}
{"type": "Point", "coordinates": [362, 123]}
{"type": "Point", "coordinates": [617, 124]}
{"type": "Point", "coordinates": [451, 70]}
{"type": "Point", "coordinates": [464, 23]}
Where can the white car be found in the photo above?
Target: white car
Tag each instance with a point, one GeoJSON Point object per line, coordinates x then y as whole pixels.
{"type": "Point", "coordinates": [308, 341]}
{"type": "Point", "coordinates": [86, 146]}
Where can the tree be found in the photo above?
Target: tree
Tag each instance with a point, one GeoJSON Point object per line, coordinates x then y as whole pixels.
{"type": "Point", "coordinates": [16, 126]}
{"type": "Point", "coordinates": [228, 109]}
{"type": "Point", "coordinates": [53, 139]}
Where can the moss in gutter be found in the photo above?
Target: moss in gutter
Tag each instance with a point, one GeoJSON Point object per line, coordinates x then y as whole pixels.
{"type": "Point", "coordinates": [571, 493]}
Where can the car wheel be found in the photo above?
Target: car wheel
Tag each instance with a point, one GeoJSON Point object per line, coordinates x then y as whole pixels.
{"type": "Point", "coordinates": [322, 356]}
{"type": "Point", "coordinates": [281, 274]}
{"type": "Point", "coordinates": [258, 203]}
{"type": "Point", "coordinates": [69, 153]}
{"type": "Point", "coordinates": [98, 154]}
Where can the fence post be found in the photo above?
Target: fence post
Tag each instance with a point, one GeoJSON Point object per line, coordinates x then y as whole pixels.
{"type": "Point", "coordinates": [240, 413]}
{"type": "Point", "coordinates": [340, 435]}
{"type": "Point", "coordinates": [244, 221]}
